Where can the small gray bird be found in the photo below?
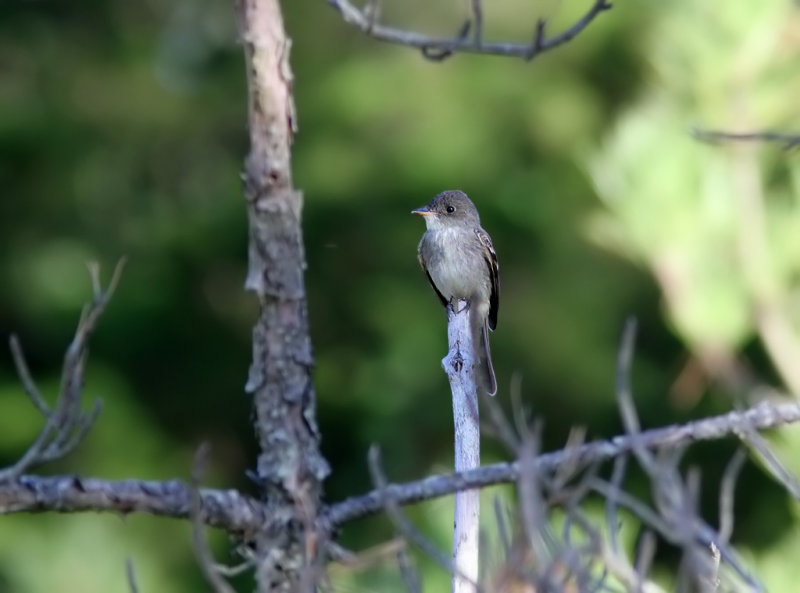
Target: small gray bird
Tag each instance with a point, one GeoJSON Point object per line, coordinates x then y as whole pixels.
{"type": "Point", "coordinates": [459, 260]}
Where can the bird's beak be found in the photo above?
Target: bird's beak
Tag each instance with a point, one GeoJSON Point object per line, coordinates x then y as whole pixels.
{"type": "Point", "coordinates": [422, 211]}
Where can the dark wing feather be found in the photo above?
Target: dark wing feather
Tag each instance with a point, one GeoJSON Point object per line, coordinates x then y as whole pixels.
{"type": "Point", "coordinates": [491, 261]}
{"type": "Point", "coordinates": [435, 289]}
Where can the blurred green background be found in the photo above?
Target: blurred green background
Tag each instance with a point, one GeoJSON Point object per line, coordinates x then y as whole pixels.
{"type": "Point", "coordinates": [122, 132]}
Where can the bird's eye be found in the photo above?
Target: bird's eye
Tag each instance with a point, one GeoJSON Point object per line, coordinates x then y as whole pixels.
{"type": "Point", "coordinates": [450, 209]}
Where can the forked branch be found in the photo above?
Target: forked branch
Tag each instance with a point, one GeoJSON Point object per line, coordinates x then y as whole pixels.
{"type": "Point", "coordinates": [66, 424]}
{"type": "Point", "coordinates": [762, 416]}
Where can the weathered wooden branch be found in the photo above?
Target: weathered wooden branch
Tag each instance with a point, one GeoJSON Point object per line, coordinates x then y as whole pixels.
{"type": "Point", "coordinates": [227, 509]}
{"type": "Point", "coordinates": [762, 416]}
{"type": "Point", "coordinates": [245, 517]}
{"type": "Point", "coordinates": [235, 512]}
{"type": "Point", "coordinates": [437, 48]}
{"type": "Point", "coordinates": [290, 466]}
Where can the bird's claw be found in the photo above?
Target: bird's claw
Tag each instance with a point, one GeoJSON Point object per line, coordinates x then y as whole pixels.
{"type": "Point", "coordinates": [454, 305]}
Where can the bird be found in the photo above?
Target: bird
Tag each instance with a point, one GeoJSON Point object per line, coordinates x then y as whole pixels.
{"type": "Point", "coordinates": [458, 258]}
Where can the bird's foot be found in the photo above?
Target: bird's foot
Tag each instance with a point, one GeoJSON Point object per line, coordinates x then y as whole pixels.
{"type": "Point", "coordinates": [454, 305]}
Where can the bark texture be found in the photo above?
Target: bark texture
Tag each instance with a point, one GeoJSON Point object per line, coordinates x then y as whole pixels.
{"type": "Point", "coordinates": [290, 466]}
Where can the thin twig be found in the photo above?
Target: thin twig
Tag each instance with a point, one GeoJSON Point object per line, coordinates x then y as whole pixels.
{"type": "Point", "coordinates": [33, 454]}
{"type": "Point", "coordinates": [436, 48]}
{"type": "Point", "coordinates": [612, 515]}
{"type": "Point", "coordinates": [477, 14]}
{"type": "Point", "coordinates": [25, 377]}
{"type": "Point", "coordinates": [407, 570]}
{"type": "Point", "coordinates": [68, 441]}
{"type": "Point", "coordinates": [630, 419]}
{"type": "Point", "coordinates": [399, 520]}
{"type": "Point", "coordinates": [572, 465]}
{"type": "Point", "coordinates": [372, 9]}
{"type": "Point", "coordinates": [130, 575]}
{"type": "Point", "coordinates": [502, 525]}
{"type": "Point", "coordinates": [199, 544]}
{"type": "Point", "coordinates": [236, 569]}
{"type": "Point", "coordinates": [645, 514]}
{"type": "Point", "coordinates": [499, 426]}
{"type": "Point", "coordinates": [773, 464]}
{"type": "Point", "coordinates": [726, 494]}
{"type": "Point", "coordinates": [519, 413]}
{"type": "Point", "coordinates": [355, 562]}
{"type": "Point", "coordinates": [789, 141]}
{"type": "Point", "coordinates": [645, 552]}
{"type": "Point", "coordinates": [531, 505]}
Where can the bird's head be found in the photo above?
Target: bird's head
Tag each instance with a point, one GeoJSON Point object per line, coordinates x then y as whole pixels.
{"type": "Point", "coordinates": [449, 208]}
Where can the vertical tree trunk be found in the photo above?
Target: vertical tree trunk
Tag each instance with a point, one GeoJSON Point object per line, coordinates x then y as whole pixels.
{"type": "Point", "coordinates": [290, 465]}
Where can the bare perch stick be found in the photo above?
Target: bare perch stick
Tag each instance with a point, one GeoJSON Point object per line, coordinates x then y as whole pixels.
{"type": "Point", "coordinates": [459, 364]}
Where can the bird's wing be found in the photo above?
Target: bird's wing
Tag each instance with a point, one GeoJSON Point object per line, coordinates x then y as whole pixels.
{"type": "Point", "coordinates": [491, 261]}
{"type": "Point", "coordinates": [428, 274]}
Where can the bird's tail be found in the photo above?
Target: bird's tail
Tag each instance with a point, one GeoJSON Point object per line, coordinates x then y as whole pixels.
{"type": "Point", "coordinates": [483, 356]}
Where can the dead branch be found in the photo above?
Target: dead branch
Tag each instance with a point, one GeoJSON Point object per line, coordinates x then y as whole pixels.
{"type": "Point", "coordinates": [226, 509]}
{"type": "Point", "coordinates": [582, 557]}
{"type": "Point", "coordinates": [437, 49]}
{"type": "Point", "coordinates": [408, 571]}
{"type": "Point", "coordinates": [199, 543]}
{"type": "Point", "coordinates": [778, 470]}
{"type": "Point", "coordinates": [788, 140]}
{"type": "Point", "coordinates": [726, 492]}
{"type": "Point", "coordinates": [65, 424]}
{"type": "Point", "coordinates": [762, 416]}
{"type": "Point", "coordinates": [130, 575]}
{"type": "Point", "coordinates": [675, 497]}
{"type": "Point", "coordinates": [579, 557]}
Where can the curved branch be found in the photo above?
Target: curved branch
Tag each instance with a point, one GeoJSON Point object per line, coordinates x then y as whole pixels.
{"type": "Point", "coordinates": [759, 417]}
{"type": "Point", "coordinates": [437, 48]}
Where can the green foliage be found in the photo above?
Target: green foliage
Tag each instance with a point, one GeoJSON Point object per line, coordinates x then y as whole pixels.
{"type": "Point", "coordinates": [717, 226]}
{"type": "Point", "coordinates": [681, 208]}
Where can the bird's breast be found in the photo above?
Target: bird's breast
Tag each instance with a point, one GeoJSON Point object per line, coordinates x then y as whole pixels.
{"type": "Point", "coordinates": [455, 263]}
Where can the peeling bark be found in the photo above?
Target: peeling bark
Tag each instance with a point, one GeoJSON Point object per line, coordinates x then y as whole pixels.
{"type": "Point", "coordinates": [290, 466]}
